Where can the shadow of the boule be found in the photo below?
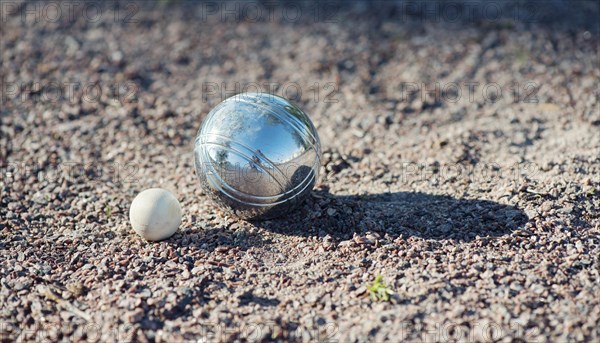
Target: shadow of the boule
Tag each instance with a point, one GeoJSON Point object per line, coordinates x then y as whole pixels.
{"type": "Point", "coordinates": [422, 215]}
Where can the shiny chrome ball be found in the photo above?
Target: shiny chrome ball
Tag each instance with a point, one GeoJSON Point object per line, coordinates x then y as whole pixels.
{"type": "Point", "coordinates": [257, 155]}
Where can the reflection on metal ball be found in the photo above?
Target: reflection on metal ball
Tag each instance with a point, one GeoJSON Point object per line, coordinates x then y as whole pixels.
{"type": "Point", "coordinates": [257, 155]}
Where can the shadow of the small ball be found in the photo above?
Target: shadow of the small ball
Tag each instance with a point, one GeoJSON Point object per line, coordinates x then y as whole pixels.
{"type": "Point", "coordinates": [422, 215]}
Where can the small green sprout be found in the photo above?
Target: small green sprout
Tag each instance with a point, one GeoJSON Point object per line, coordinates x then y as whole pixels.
{"type": "Point", "coordinates": [378, 291]}
{"type": "Point", "coordinates": [108, 211]}
{"type": "Point", "coordinates": [522, 55]}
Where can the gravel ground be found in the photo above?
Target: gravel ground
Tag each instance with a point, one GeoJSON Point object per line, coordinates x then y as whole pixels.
{"type": "Point", "coordinates": [478, 209]}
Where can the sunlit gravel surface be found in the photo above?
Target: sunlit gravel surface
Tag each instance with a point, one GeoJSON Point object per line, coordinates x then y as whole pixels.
{"type": "Point", "coordinates": [480, 210]}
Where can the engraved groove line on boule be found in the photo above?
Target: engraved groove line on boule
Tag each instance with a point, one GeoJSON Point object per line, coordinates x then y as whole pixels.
{"type": "Point", "coordinates": [264, 204]}
{"type": "Point", "coordinates": [262, 157]}
{"type": "Point", "coordinates": [220, 182]}
{"type": "Point", "coordinates": [203, 140]}
{"type": "Point", "coordinates": [248, 159]}
{"type": "Point", "coordinates": [218, 185]}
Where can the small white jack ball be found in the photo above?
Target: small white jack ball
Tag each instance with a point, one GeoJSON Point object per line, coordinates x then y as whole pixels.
{"type": "Point", "coordinates": [155, 214]}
